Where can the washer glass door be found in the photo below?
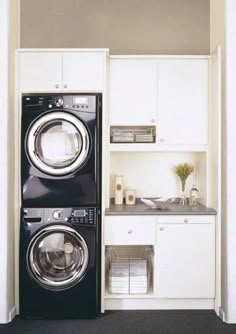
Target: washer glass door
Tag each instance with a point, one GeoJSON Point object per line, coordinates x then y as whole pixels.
{"type": "Point", "coordinates": [57, 257]}
{"type": "Point", "coordinates": [58, 143]}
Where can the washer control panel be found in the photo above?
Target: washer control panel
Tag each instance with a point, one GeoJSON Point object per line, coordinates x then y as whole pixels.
{"type": "Point", "coordinates": [86, 216]}
{"type": "Point", "coordinates": [74, 216]}
{"type": "Point", "coordinates": [81, 216]}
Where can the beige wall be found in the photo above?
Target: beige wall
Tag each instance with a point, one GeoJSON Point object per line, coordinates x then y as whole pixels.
{"type": "Point", "coordinates": [124, 26]}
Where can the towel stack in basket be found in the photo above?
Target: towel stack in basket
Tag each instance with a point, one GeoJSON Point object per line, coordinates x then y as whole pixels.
{"type": "Point", "coordinates": [128, 276]}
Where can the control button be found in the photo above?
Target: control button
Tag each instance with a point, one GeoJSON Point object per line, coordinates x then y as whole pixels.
{"type": "Point", "coordinates": [57, 214]}
{"type": "Point", "coordinates": [59, 101]}
{"type": "Point", "coordinates": [50, 106]}
{"type": "Point", "coordinates": [86, 106]}
{"type": "Point", "coordinates": [82, 106]}
{"type": "Point", "coordinates": [73, 106]}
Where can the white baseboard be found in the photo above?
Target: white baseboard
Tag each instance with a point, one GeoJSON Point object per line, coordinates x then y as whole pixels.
{"type": "Point", "coordinates": [222, 314]}
{"type": "Point", "coordinates": [158, 304]}
{"type": "Point", "coordinates": [12, 314]}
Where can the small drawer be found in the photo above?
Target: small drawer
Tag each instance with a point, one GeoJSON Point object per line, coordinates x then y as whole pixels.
{"type": "Point", "coordinates": [188, 219]}
{"type": "Point", "coordinates": [130, 230]}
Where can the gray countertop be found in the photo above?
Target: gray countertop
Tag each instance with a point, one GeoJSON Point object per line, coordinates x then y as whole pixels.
{"type": "Point", "coordinates": [168, 209]}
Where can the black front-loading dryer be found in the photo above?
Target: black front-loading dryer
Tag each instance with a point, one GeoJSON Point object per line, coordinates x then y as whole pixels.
{"type": "Point", "coordinates": [59, 263]}
{"type": "Point", "coordinates": [60, 150]}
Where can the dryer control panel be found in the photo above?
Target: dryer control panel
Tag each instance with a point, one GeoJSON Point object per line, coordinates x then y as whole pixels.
{"type": "Point", "coordinates": [77, 102]}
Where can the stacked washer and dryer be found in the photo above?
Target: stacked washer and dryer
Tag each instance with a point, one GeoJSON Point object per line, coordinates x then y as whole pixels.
{"type": "Point", "coordinates": [61, 205]}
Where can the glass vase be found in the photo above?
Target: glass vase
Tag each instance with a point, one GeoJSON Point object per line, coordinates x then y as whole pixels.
{"type": "Point", "coordinates": [183, 199]}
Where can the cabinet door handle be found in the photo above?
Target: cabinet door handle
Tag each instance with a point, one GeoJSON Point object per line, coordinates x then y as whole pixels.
{"type": "Point", "coordinates": [185, 220]}
{"type": "Point", "coordinates": [56, 86]}
{"type": "Point", "coordinates": [153, 120]}
{"type": "Point", "coordinates": [130, 231]}
{"type": "Point", "coordinates": [65, 86]}
{"type": "Point", "coordinates": [162, 228]}
{"type": "Point", "coordinates": [162, 140]}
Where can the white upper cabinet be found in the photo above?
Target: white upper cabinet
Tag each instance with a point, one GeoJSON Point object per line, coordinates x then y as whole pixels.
{"type": "Point", "coordinates": [133, 91]}
{"type": "Point", "coordinates": [183, 102]}
{"type": "Point", "coordinates": [40, 71]}
{"type": "Point", "coordinates": [62, 71]}
{"type": "Point", "coordinates": [83, 71]}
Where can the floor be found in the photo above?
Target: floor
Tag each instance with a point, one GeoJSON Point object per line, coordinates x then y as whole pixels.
{"type": "Point", "coordinates": [122, 322]}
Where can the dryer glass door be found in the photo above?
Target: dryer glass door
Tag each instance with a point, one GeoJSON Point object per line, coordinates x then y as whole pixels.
{"type": "Point", "coordinates": [57, 257]}
{"type": "Point", "coordinates": [58, 143]}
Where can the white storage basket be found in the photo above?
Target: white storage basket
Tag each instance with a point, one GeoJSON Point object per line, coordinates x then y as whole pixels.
{"type": "Point", "coordinates": [129, 269]}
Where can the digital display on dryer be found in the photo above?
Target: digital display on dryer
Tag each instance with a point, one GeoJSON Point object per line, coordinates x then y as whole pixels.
{"type": "Point", "coordinates": [79, 213]}
{"type": "Point", "coordinates": [80, 100]}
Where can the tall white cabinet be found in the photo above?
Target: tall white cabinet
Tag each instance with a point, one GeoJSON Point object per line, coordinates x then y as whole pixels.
{"type": "Point", "coordinates": [172, 94]}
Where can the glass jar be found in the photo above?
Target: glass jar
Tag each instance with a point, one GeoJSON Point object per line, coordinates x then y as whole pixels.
{"type": "Point", "coordinates": [130, 197]}
{"type": "Point", "coordinates": [194, 196]}
{"type": "Point", "coordinates": [119, 189]}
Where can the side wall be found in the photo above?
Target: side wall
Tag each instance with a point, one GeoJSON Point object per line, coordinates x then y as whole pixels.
{"type": "Point", "coordinates": [217, 37]}
{"type": "Point", "coordinates": [230, 161]}
{"type": "Point", "coordinates": [223, 31]}
{"type": "Point", "coordinates": [9, 41]}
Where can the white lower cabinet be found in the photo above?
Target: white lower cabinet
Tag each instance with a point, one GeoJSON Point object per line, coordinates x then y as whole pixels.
{"type": "Point", "coordinates": [185, 257]}
{"type": "Point", "coordinates": [180, 255]}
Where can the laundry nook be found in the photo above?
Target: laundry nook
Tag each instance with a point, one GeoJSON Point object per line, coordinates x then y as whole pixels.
{"type": "Point", "coordinates": [116, 167]}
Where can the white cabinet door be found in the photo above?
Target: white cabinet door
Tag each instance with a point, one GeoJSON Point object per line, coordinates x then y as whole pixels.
{"type": "Point", "coordinates": [40, 71]}
{"type": "Point", "coordinates": [185, 261]}
{"type": "Point", "coordinates": [183, 101]}
{"type": "Point", "coordinates": [133, 91]}
{"type": "Point", "coordinates": [83, 71]}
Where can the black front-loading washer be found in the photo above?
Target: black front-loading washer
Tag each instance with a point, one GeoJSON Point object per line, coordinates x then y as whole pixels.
{"type": "Point", "coordinates": [59, 263]}
{"type": "Point", "coordinates": [61, 150]}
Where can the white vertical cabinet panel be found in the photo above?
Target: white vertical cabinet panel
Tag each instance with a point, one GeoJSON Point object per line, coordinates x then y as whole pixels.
{"type": "Point", "coordinates": [133, 91]}
{"type": "Point", "coordinates": [83, 71]}
{"type": "Point", "coordinates": [183, 101]}
{"type": "Point", "coordinates": [185, 261]}
{"type": "Point", "coordinates": [40, 71]}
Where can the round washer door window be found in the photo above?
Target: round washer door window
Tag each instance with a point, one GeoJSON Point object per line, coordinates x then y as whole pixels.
{"type": "Point", "coordinates": [57, 257]}
{"type": "Point", "coordinates": [58, 143]}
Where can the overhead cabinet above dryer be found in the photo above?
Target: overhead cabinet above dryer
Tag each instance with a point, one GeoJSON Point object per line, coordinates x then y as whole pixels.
{"type": "Point", "coordinates": [170, 93]}
{"type": "Point", "coordinates": [54, 71]}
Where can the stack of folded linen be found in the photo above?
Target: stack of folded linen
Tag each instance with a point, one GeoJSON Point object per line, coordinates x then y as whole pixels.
{"type": "Point", "coordinates": [119, 276]}
{"type": "Point", "coordinates": [138, 276]}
